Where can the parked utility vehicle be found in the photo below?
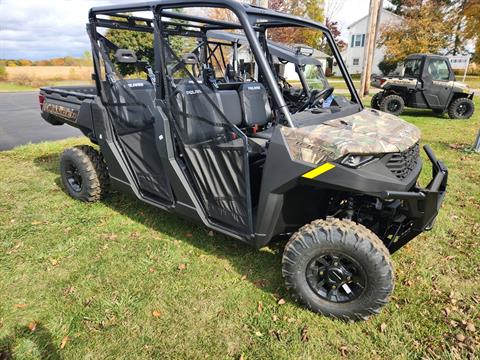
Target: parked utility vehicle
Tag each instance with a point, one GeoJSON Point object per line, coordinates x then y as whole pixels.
{"type": "Point", "coordinates": [217, 131]}
{"type": "Point", "coordinates": [426, 82]}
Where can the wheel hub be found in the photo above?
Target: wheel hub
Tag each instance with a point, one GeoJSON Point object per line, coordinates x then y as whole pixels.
{"type": "Point", "coordinates": [336, 278]}
{"type": "Point", "coordinates": [336, 275]}
{"type": "Point", "coordinates": [74, 178]}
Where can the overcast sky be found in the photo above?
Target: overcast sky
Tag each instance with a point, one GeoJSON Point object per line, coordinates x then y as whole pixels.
{"type": "Point", "coordinates": [41, 29]}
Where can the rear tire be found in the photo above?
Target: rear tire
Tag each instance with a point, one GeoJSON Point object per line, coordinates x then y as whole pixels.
{"type": "Point", "coordinates": [84, 173]}
{"type": "Point", "coordinates": [338, 268]}
{"type": "Point", "coordinates": [392, 104]}
{"type": "Point", "coordinates": [461, 108]}
{"type": "Point", "coordinates": [375, 102]}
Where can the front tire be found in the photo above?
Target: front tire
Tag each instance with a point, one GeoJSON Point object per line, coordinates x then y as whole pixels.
{"type": "Point", "coordinates": [84, 173]}
{"type": "Point", "coordinates": [338, 268]}
{"type": "Point", "coordinates": [461, 108]}
{"type": "Point", "coordinates": [392, 104]}
{"type": "Point", "coordinates": [375, 102]}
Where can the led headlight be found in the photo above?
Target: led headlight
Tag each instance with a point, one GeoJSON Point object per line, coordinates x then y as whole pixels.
{"type": "Point", "coordinates": [355, 161]}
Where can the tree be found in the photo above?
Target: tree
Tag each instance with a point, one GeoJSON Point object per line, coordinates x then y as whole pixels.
{"type": "Point", "coordinates": [420, 32]}
{"type": "Point", "coordinates": [333, 27]}
{"type": "Point", "coordinates": [472, 15]}
{"type": "Point", "coordinates": [139, 42]}
{"type": "Point", "coordinates": [3, 72]}
{"type": "Point", "coordinates": [311, 9]}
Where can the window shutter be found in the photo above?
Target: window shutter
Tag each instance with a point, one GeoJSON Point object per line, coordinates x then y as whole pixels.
{"type": "Point", "coordinates": [363, 40]}
{"type": "Point", "coordinates": [353, 41]}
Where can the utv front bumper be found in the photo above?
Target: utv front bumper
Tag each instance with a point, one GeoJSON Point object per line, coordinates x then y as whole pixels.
{"type": "Point", "coordinates": [422, 205]}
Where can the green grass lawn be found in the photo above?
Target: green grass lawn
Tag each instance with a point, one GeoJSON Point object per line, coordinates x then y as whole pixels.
{"type": "Point", "coordinates": [472, 81]}
{"type": "Point", "coordinates": [122, 280]}
{"type": "Point", "coordinates": [8, 87]}
{"type": "Point", "coordinates": [13, 87]}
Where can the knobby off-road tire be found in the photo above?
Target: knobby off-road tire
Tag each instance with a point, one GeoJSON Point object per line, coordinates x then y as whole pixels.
{"type": "Point", "coordinates": [392, 104]}
{"type": "Point", "coordinates": [84, 173]}
{"type": "Point", "coordinates": [461, 108]}
{"type": "Point", "coordinates": [357, 250]}
{"type": "Point", "coordinates": [375, 102]}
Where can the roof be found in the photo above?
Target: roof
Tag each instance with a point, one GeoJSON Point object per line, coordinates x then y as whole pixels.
{"type": "Point", "coordinates": [366, 16]}
{"type": "Point", "coordinates": [274, 18]}
{"type": "Point", "coordinates": [281, 51]}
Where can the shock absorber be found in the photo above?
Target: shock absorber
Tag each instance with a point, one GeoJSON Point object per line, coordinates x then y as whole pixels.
{"type": "Point", "coordinates": [349, 211]}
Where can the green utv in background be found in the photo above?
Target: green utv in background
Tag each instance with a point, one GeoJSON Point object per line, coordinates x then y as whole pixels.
{"type": "Point", "coordinates": [243, 133]}
{"type": "Point", "coordinates": [426, 82]}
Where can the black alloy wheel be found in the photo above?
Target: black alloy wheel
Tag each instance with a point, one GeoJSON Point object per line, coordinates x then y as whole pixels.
{"type": "Point", "coordinates": [73, 176]}
{"type": "Point", "coordinates": [461, 108]}
{"type": "Point", "coordinates": [84, 173]}
{"type": "Point", "coordinates": [336, 277]}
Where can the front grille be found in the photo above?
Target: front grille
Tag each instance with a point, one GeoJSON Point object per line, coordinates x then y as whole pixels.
{"type": "Point", "coordinates": [402, 164]}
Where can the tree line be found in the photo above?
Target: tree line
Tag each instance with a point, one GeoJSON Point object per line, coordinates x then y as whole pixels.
{"type": "Point", "coordinates": [84, 60]}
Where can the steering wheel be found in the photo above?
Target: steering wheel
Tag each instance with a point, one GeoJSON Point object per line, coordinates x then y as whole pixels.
{"type": "Point", "coordinates": [317, 97]}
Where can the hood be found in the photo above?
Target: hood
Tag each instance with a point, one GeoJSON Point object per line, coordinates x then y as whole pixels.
{"type": "Point", "coordinates": [460, 87]}
{"type": "Point", "coordinates": [363, 133]}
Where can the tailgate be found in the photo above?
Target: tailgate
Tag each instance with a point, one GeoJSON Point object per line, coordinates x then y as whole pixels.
{"type": "Point", "coordinates": [62, 105]}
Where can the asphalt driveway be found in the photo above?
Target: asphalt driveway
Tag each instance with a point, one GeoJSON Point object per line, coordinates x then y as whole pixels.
{"type": "Point", "coordinates": [21, 123]}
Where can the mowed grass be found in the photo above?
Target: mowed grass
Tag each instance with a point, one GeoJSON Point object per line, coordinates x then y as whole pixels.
{"type": "Point", "coordinates": [122, 280]}
{"type": "Point", "coordinates": [10, 87]}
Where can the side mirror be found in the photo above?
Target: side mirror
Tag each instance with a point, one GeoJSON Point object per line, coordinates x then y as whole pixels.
{"type": "Point", "coordinates": [94, 77]}
{"type": "Point", "coordinates": [125, 56]}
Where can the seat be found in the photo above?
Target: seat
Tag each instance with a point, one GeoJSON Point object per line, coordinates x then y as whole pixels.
{"type": "Point", "coordinates": [230, 105]}
{"type": "Point", "coordinates": [255, 105]}
{"type": "Point", "coordinates": [197, 119]}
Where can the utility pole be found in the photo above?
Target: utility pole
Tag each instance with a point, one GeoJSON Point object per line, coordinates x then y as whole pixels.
{"type": "Point", "coordinates": [476, 146]}
{"type": "Point", "coordinates": [371, 37]}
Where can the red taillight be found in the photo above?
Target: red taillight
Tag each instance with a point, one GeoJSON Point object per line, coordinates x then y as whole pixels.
{"type": "Point", "coordinates": [382, 81]}
{"type": "Point", "coordinates": [41, 100]}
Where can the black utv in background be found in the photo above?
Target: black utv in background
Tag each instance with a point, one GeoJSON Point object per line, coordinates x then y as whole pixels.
{"type": "Point", "coordinates": [427, 82]}
{"type": "Point", "coordinates": [225, 125]}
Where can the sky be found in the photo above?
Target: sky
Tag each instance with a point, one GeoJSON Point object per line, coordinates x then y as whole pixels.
{"type": "Point", "coordinates": [42, 29]}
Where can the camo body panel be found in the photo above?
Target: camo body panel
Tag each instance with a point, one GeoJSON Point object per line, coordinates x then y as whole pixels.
{"type": "Point", "coordinates": [363, 133]}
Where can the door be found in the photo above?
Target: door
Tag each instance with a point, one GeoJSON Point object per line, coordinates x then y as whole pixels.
{"type": "Point", "coordinates": [212, 151]}
{"type": "Point", "coordinates": [131, 107]}
{"type": "Point", "coordinates": [437, 87]}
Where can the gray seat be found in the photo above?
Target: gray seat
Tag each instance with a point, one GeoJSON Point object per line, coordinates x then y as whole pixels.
{"type": "Point", "coordinates": [255, 105]}
{"type": "Point", "coordinates": [198, 120]}
{"type": "Point", "coordinates": [230, 105]}
{"type": "Point", "coordinates": [256, 110]}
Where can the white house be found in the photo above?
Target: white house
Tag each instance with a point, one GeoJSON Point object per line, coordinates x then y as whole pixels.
{"type": "Point", "coordinates": [357, 39]}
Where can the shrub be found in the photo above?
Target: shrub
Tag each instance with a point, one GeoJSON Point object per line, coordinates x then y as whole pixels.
{"type": "Point", "coordinates": [3, 72]}
{"type": "Point", "coordinates": [386, 67]}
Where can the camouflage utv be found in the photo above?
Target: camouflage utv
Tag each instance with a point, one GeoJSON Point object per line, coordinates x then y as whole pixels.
{"type": "Point", "coordinates": [243, 133]}
{"type": "Point", "coordinates": [426, 82]}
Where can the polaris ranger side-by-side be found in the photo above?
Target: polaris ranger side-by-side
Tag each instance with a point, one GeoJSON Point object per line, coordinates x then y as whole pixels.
{"type": "Point", "coordinates": [231, 124]}
{"type": "Point", "coordinates": [426, 82]}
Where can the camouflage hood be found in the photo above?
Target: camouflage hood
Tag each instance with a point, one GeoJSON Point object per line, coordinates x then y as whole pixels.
{"type": "Point", "coordinates": [363, 133]}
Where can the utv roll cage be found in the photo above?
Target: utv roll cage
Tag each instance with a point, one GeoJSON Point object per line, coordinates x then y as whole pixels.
{"type": "Point", "coordinates": [252, 19]}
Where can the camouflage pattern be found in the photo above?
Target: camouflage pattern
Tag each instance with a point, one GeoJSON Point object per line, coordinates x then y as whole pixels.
{"type": "Point", "coordinates": [460, 87]}
{"type": "Point", "coordinates": [363, 133]}
{"type": "Point", "coordinates": [388, 81]}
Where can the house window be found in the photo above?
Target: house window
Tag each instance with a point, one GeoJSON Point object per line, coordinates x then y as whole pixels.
{"type": "Point", "coordinates": [358, 40]}
{"type": "Point", "coordinates": [356, 61]}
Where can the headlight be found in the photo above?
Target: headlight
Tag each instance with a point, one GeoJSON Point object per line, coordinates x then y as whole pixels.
{"type": "Point", "coordinates": [355, 161]}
